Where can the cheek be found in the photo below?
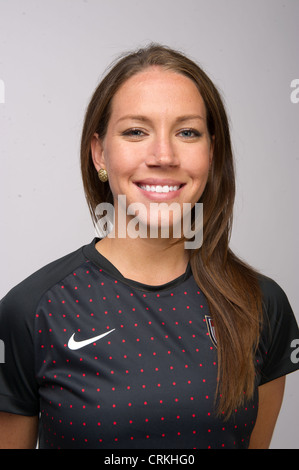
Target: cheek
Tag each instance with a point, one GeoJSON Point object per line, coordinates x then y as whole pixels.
{"type": "Point", "coordinates": [120, 166]}
{"type": "Point", "coordinates": [113, 159]}
{"type": "Point", "coordinates": [200, 175]}
{"type": "Point", "coordinates": [199, 168]}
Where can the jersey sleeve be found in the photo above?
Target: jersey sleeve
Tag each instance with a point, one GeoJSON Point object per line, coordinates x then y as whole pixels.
{"type": "Point", "coordinates": [280, 329]}
{"type": "Point", "coordinates": [18, 387]}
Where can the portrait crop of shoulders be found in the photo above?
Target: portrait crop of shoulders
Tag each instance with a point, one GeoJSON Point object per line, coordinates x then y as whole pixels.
{"type": "Point", "coordinates": [149, 161]}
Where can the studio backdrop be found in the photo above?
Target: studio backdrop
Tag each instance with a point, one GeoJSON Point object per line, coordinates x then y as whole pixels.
{"type": "Point", "coordinates": [53, 54]}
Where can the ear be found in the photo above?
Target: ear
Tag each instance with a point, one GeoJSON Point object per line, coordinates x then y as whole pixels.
{"type": "Point", "coordinates": [97, 152]}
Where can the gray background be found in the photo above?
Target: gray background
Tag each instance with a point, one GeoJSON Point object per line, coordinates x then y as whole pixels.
{"type": "Point", "coordinates": [52, 55]}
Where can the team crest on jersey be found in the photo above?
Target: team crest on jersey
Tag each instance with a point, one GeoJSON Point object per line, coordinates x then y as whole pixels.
{"type": "Point", "coordinates": [211, 329]}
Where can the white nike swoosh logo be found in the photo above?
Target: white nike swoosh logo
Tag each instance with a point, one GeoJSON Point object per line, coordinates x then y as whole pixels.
{"type": "Point", "coordinates": [73, 344]}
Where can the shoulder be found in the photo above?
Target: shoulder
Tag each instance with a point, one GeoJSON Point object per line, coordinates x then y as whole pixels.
{"type": "Point", "coordinates": [24, 296]}
{"type": "Point", "coordinates": [271, 290]}
{"type": "Point", "coordinates": [274, 298]}
{"type": "Point", "coordinates": [279, 319]}
{"type": "Point", "coordinates": [18, 382]}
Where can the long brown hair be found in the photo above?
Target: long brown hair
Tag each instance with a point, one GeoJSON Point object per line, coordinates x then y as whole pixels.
{"type": "Point", "coordinates": [230, 286]}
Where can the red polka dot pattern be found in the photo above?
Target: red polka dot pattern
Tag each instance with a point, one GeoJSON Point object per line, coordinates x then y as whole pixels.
{"type": "Point", "coordinates": [149, 383]}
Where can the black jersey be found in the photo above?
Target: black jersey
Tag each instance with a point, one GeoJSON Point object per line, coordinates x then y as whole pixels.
{"type": "Point", "coordinates": [111, 363]}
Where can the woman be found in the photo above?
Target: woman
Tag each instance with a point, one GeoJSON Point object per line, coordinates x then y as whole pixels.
{"type": "Point", "coordinates": [142, 341]}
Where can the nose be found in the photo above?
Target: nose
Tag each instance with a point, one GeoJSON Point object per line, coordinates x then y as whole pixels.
{"type": "Point", "coordinates": [162, 152]}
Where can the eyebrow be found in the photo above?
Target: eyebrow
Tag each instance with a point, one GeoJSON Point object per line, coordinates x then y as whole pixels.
{"type": "Point", "coordinates": [133, 117]}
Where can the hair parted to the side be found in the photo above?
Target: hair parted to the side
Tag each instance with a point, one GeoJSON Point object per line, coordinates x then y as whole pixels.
{"type": "Point", "coordinates": [230, 285]}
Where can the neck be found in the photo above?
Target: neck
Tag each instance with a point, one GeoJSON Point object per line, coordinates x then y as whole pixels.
{"type": "Point", "coordinates": [146, 260]}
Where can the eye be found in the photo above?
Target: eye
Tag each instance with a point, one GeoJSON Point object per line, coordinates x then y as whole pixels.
{"type": "Point", "coordinates": [189, 133]}
{"type": "Point", "coordinates": [134, 133]}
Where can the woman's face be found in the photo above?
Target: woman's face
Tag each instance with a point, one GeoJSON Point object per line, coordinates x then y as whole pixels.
{"type": "Point", "coordinates": [157, 148]}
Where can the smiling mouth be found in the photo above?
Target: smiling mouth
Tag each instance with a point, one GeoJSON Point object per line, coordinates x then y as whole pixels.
{"type": "Point", "coordinates": [157, 188]}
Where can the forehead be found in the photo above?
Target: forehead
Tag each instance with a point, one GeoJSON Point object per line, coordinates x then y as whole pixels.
{"type": "Point", "coordinates": [156, 90]}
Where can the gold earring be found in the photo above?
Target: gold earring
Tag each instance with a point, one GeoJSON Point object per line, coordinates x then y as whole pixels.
{"type": "Point", "coordinates": [103, 175]}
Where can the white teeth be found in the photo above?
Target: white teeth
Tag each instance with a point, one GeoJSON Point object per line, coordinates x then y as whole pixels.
{"type": "Point", "coordinates": [159, 189]}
